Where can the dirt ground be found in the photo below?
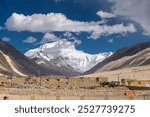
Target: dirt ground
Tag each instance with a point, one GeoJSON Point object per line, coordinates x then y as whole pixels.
{"type": "Point", "coordinates": [74, 88]}
{"type": "Point", "coordinates": [140, 73]}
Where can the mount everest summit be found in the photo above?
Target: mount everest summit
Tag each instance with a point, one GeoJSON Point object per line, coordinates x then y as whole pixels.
{"type": "Point", "coordinates": [64, 55]}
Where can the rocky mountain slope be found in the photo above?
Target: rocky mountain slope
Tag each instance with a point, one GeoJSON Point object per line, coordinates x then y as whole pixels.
{"type": "Point", "coordinates": [132, 56]}
{"type": "Point", "coordinates": [12, 62]}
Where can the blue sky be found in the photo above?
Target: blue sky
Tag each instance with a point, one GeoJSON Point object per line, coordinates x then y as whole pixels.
{"type": "Point", "coordinates": [93, 26]}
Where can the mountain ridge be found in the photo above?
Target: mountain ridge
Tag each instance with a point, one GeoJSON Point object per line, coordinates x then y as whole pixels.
{"type": "Point", "coordinates": [65, 53]}
{"type": "Point", "coordinates": [124, 52]}
{"type": "Point", "coordinates": [13, 63]}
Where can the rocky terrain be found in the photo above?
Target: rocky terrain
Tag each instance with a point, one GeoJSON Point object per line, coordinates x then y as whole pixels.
{"type": "Point", "coordinates": [13, 63]}
{"type": "Point", "coordinates": [57, 88]}
{"type": "Point", "coordinates": [133, 56]}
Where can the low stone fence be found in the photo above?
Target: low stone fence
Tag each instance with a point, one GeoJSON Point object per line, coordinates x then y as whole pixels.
{"type": "Point", "coordinates": [33, 97]}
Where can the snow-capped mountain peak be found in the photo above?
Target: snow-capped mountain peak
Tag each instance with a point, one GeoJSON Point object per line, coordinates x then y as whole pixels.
{"type": "Point", "coordinates": [65, 53]}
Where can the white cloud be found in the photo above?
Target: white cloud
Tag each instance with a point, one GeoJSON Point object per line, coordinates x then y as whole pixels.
{"type": "Point", "coordinates": [6, 39]}
{"type": "Point", "coordinates": [64, 42]}
{"type": "Point", "coordinates": [108, 30]}
{"type": "Point", "coordinates": [49, 37]}
{"type": "Point", "coordinates": [30, 40]}
{"type": "Point", "coordinates": [137, 10]}
{"type": "Point", "coordinates": [68, 34]}
{"type": "Point", "coordinates": [105, 15]}
{"type": "Point", "coordinates": [77, 42]}
{"type": "Point", "coordinates": [111, 40]}
{"type": "Point", "coordinates": [57, 22]}
{"type": "Point", "coordinates": [47, 23]}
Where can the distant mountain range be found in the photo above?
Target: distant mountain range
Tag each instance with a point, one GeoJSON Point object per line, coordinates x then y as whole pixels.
{"type": "Point", "coordinates": [14, 63]}
{"type": "Point", "coordinates": [63, 56]}
{"type": "Point", "coordinates": [58, 58]}
{"type": "Point", "coordinates": [137, 55]}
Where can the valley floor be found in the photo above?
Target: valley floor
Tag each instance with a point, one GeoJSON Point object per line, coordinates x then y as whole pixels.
{"type": "Point", "coordinates": [40, 94]}
{"type": "Point", "coordinates": [78, 88]}
{"type": "Point", "coordinates": [140, 73]}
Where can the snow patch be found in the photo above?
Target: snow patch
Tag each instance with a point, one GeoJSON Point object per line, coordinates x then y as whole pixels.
{"type": "Point", "coordinates": [66, 53]}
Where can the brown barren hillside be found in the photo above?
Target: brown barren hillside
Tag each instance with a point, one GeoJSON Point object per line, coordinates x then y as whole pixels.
{"type": "Point", "coordinates": [133, 56]}
{"type": "Point", "coordinates": [139, 73]}
{"type": "Point", "coordinates": [140, 59]}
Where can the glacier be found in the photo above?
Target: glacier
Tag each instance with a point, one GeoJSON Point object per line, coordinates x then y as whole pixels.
{"type": "Point", "coordinates": [64, 52]}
